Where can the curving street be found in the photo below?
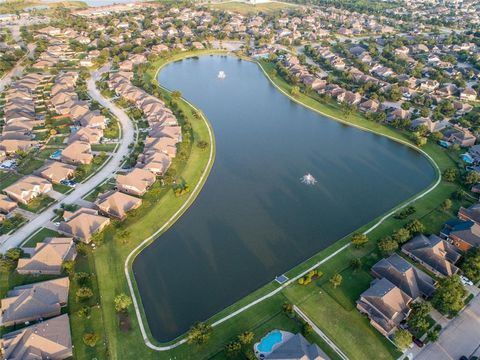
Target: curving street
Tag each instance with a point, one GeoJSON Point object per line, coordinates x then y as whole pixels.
{"type": "Point", "coordinates": [112, 165]}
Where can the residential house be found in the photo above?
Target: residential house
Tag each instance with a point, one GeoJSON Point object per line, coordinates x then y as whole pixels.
{"type": "Point", "coordinates": [464, 234]}
{"type": "Point", "coordinates": [83, 224]}
{"type": "Point", "coordinates": [136, 182]}
{"type": "Point", "coordinates": [86, 134]}
{"type": "Point", "coordinates": [385, 304]}
{"type": "Point", "coordinates": [47, 257]}
{"type": "Point", "coordinates": [117, 204]}
{"type": "Point", "coordinates": [34, 301]}
{"type": "Point", "coordinates": [432, 126]}
{"type": "Point", "coordinates": [6, 205]}
{"type": "Point", "coordinates": [412, 281]}
{"type": "Point", "coordinates": [460, 136]}
{"type": "Point", "coordinates": [27, 188]}
{"type": "Point", "coordinates": [294, 346]}
{"type": "Point", "coordinates": [50, 339]}
{"type": "Point", "coordinates": [468, 94]}
{"type": "Point", "coordinates": [77, 153]}
{"type": "Point", "coordinates": [436, 254]}
{"type": "Point", "coordinates": [369, 106]}
{"type": "Point", "coordinates": [56, 172]}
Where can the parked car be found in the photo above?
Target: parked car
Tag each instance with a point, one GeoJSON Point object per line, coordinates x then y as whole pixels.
{"type": "Point", "coordinates": [70, 183]}
{"type": "Point", "coordinates": [463, 357]}
{"type": "Point", "coordinates": [465, 280]}
{"type": "Point", "coordinates": [417, 342]}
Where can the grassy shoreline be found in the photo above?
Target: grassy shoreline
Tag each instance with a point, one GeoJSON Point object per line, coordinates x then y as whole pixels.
{"type": "Point", "coordinates": [110, 256]}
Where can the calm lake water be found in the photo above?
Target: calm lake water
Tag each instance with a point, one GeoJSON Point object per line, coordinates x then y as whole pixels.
{"type": "Point", "coordinates": [254, 218]}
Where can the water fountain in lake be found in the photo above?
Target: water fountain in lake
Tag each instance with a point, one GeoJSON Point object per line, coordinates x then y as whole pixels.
{"type": "Point", "coordinates": [221, 74]}
{"type": "Point", "coordinates": [308, 179]}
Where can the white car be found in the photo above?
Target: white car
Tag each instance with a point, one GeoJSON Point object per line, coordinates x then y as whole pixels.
{"type": "Point", "coordinates": [466, 281]}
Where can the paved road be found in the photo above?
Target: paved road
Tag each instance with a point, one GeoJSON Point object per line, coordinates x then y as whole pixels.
{"type": "Point", "coordinates": [460, 337]}
{"type": "Point", "coordinates": [82, 189]}
{"type": "Point", "coordinates": [17, 69]}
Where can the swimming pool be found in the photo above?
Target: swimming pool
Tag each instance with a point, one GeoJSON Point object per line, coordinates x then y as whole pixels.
{"type": "Point", "coordinates": [56, 155]}
{"type": "Point", "coordinates": [268, 342]}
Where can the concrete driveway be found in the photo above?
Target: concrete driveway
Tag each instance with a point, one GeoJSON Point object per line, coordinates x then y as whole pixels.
{"type": "Point", "coordinates": [460, 337]}
{"type": "Point", "coordinates": [81, 189]}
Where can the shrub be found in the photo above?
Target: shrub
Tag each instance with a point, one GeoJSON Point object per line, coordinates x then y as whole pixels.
{"type": "Point", "coordinates": [122, 302]}
{"type": "Point", "coordinates": [402, 338]}
{"type": "Point", "coordinates": [84, 293]}
{"type": "Point", "coordinates": [91, 339]}
{"type": "Point", "coordinates": [359, 240]}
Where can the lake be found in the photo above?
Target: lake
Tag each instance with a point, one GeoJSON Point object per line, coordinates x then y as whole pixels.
{"type": "Point", "coordinates": [254, 219]}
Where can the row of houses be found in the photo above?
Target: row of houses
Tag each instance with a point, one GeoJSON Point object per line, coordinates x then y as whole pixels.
{"type": "Point", "coordinates": [398, 283]}
{"type": "Point", "coordinates": [19, 115]}
{"type": "Point", "coordinates": [42, 303]}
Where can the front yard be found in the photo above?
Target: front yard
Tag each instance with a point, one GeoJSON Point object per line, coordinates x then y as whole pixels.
{"type": "Point", "coordinates": [38, 204]}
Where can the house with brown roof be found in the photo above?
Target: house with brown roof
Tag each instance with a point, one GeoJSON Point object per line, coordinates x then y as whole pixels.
{"type": "Point", "coordinates": [83, 224]}
{"type": "Point", "coordinates": [468, 94]}
{"type": "Point", "coordinates": [6, 204]}
{"type": "Point", "coordinates": [50, 339]}
{"type": "Point", "coordinates": [412, 281]}
{"type": "Point", "coordinates": [436, 254]}
{"type": "Point", "coordinates": [77, 153]}
{"type": "Point", "coordinates": [56, 171]}
{"type": "Point", "coordinates": [93, 119]}
{"type": "Point", "coordinates": [369, 106]}
{"type": "Point", "coordinates": [471, 213]}
{"type": "Point", "coordinates": [47, 257]}
{"type": "Point", "coordinates": [460, 136]}
{"type": "Point", "coordinates": [117, 204]}
{"type": "Point", "coordinates": [27, 188]}
{"type": "Point", "coordinates": [136, 182]}
{"type": "Point", "coordinates": [385, 304]}
{"type": "Point", "coordinates": [86, 134]}
{"type": "Point", "coordinates": [34, 301]}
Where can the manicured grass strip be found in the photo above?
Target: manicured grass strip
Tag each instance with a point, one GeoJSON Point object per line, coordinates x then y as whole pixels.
{"type": "Point", "coordinates": [64, 189]}
{"type": "Point", "coordinates": [37, 204]}
{"type": "Point", "coordinates": [104, 147]}
{"type": "Point", "coordinates": [8, 178]}
{"type": "Point", "coordinates": [39, 236]}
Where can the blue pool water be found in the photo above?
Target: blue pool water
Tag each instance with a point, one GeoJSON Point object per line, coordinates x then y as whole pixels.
{"type": "Point", "coordinates": [56, 155]}
{"type": "Point", "coordinates": [267, 343]}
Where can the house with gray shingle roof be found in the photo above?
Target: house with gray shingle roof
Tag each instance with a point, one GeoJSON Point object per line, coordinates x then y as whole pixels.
{"type": "Point", "coordinates": [434, 253]}
{"type": "Point", "coordinates": [408, 278]}
{"type": "Point", "coordinates": [385, 304]}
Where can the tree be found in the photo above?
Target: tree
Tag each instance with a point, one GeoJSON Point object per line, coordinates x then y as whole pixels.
{"type": "Point", "coordinates": [199, 333]}
{"type": "Point", "coordinates": [68, 267]}
{"type": "Point", "coordinates": [415, 227]}
{"type": "Point", "coordinates": [471, 264]}
{"type": "Point", "coordinates": [401, 235]}
{"type": "Point", "coordinates": [82, 277]}
{"type": "Point", "coordinates": [233, 348]}
{"type": "Point", "coordinates": [356, 263]}
{"type": "Point", "coordinates": [433, 335]}
{"type": "Point", "coordinates": [418, 318]}
{"type": "Point", "coordinates": [387, 245]}
{"type": "Point", "coordinates": [307, 329]}
{"type": "Point", "coordinates": [91, 339]}
{"type": "Point", "coordinates": [295, 91]}
{"type": "Point", "coordinates": [288, 309]}
{"type": "Point", "coordinates": [14, 254]}
{"type": "Point", "coordinates": [336, 280]}
{"type": "Point", "coordinates": [402, 338]}
{"type": "Point", "coordinates": [448, 298]}
{"type": "Point", "coordinates": [176, 95]}
{"type": "Point", "coordinates": [472, 178]}
{"type": "Point", "coordinates": [246, 337]}
{"type": "Point", "coordinates": [84, 293]}
{"type": "Point", "coordinates": [122, 302]}
{"type": "Point", "coordinates": [359, 240]}
{"type": "Point", "coordinates": [446, 204]}
{"type": "Point", "coordinates": [450, 175]}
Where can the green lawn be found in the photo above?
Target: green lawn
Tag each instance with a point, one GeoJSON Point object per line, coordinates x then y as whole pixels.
{"type": "Point", "coordinates": [84, 171]}
{"type": "Point", "coordinates": [37, 204]}
{"type": "Point", "coordinates": [62, 188]}
{"type": "Point", "coordinates": [39, 236]}
{"type": "Point", "coordinates": [104, 147]}
{"type": "Point", "coordinates": [112, 131]}
{"type": "Point", "coordinates": [29, 165]}
{"type": "Point", "coordinates": [7, 178]}
{"type": "Point", "coordinates": [108, 185]}
{"type": "Point", "coordinates": [56, 140]}
{"type": "Point", "coordinates": [11, 224]}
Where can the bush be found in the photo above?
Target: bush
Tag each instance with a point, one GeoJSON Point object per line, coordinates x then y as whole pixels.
{"type": "Point", "coordinates": [82, 278]}
{"type": "Point", "coordinates": [306, 329]}
{"type": "Point", "coordinates": [91, 339]}
{"type": "Point", "coordinates": [84, 293]}
{"type": "Point", "coordinates": [387, 245]}
{"type": "Point", "coordinates": [202, 144]}
{"type": "Point", "coordinates": [307, 279]}
{"type": "Point", "coordinates": [199, 333]}
{"type": "Point", "coordinates": [122, 302]}
{"type": "Point", "coordinates": [359, 240]}
{"type": "Point", "coordinates": [336, 280]}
